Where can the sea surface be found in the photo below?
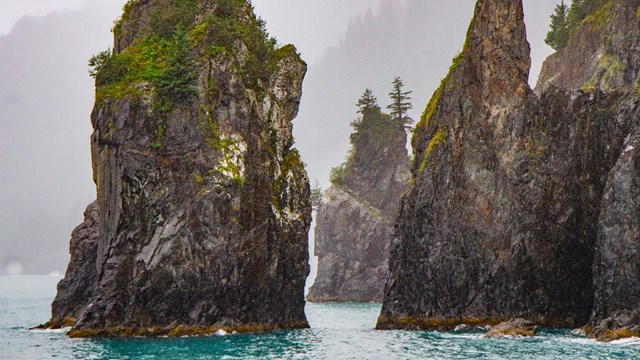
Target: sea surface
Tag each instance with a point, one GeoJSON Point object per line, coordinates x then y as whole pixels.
{"type": "Point", "coordinates": [339, 331]}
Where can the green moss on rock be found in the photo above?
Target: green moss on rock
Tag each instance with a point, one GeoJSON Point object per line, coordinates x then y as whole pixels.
{"type": "Point", "coordinates": [438, 138]}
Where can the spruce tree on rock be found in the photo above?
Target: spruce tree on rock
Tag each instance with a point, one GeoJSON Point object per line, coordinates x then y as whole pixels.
{"type": "Point", "coordinates": [178, 80]}
{"type": "Point", "coordinates": [400, 103]}
{"type": "Point", "coordinates": [316, 195]}
{"type": "Point", "coordinates": [558, 35]}
{"type": "Point", "coordinates": [367, 102]}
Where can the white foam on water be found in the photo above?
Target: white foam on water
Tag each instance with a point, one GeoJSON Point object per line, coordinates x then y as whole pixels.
{"type": "Point", "coordinates": [627, 341]}
{"type": "Point", "coordinates": [221, 332]}
{"type": "Point", "coordinates": [52, 331]}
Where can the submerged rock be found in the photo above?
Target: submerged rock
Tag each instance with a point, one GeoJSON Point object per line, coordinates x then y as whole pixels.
{"type": "Point", "coordinates": [512, 328]}
{"type": "Point", "coordinates": [203, 205]}
{"type": "Point", "coordinates": [622, 324]}
{"type": "Point", "coordinates": [501, 220]}
{"type": "Point", "coordinates": [355, 220]}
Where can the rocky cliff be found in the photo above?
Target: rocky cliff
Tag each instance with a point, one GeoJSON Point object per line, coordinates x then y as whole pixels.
{"type": "Point", "coordinates": [604, 54]}
{"type": "Point", "coordinates": [355, 220]}
{"type": "Point", "coordinates": [203, 205]}
{"type": "Point", "coordinates": [508, 187]}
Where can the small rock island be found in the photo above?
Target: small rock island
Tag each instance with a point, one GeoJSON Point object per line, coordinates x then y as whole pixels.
{"type": "Point", "coordinates": [355, 220]}
{"type": "Point", "coordinates": [203, 205]}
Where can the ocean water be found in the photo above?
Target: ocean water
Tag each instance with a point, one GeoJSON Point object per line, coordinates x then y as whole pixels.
{"type": "Point", "coordinates": [339, 331]}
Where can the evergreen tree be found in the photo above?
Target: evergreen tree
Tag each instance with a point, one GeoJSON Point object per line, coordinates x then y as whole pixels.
{"type": "Point", "coordinates": [558, 36]}
{"type": "Point", "coordinates": [566, 19]}
{"type": "Point", "coordinates": [400, 103]}
{"type": "Point", "coordinates": [316, 195]}
{"type": "Point", "coordinates": [367, 102]}
{"type": "Point", "coordinates": [178, 81]}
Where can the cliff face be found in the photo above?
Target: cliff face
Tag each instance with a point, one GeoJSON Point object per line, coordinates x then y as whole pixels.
{"type": "Point", "coordinates": [616, 271]}
{"type": "Point", "coordinates": [355, 220]}
{"type": "Point", "coordinates": [203, 205]}
{"type": "Point", "coordinates": [501, 221]}
{"type": "Point", "coordinates": [604, 52]}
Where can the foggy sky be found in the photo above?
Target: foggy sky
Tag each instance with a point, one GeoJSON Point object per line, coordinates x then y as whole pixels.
{"type": "Point", "coordinates": [46, 95]}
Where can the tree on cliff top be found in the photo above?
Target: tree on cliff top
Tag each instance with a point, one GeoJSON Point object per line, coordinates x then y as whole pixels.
{"type": "Point", "coordinates": [179, 79]}
{"type": "Point", "coordinates": [316, 195]}
{"type": "Point", "coordinates": [400, 104]}
{"type": "Point", "coordinates": [566, 19]}
{"type": "Point", "coordinates": [367, 105]}
{"type": "Point", "coordinates": [367, 102]}
{"type": "Point", "coordinates": [558, 36]}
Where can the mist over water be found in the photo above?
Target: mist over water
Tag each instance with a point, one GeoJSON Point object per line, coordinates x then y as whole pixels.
{"type": "Point", "coordinates": [45, 102]}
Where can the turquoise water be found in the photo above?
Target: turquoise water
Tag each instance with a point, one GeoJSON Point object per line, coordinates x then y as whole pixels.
{"type": "Point", "coordinates": [339, 331]}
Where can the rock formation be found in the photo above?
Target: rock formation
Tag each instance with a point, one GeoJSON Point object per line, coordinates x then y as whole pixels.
{"type": "Point", "coordinates": [355, 220]}
{"type": "Point", "coordinates": [203, 206]}
{"type": "Point", "coordinates": [604, 54]}
{"type": "Point", "coordinates": [509, 187]}
{"type": "Point", "coordinates": [513, 328]}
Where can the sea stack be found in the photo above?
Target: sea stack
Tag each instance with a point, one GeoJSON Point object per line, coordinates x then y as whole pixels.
{"type": "Point", "coordinates": [516, 195]}
{"type": "Point", "coordinates": [203, 205]}
{"type": "Point", "coordinates": [355, 220]}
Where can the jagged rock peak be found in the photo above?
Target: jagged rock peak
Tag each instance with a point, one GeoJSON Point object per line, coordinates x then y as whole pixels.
{"type": "Point", "coordinates": [497, 52]}
{"type": "Point", "coordinates": [355, 221]}
{"type": "Point", "coordinates": [203, 206]}
{"type": "Point", "coordinates": [500, 221]}
{"type": "Point", "coordinates": [491, 73]}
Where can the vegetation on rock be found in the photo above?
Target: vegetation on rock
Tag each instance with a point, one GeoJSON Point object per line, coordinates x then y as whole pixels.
{"type": "Point", "coordinates": [400, 104]}
{"type": "Point", "coordinates": [164, 54]}
{"type": "Point", "coordinates": [219, 214]}
{"type": "Point", "coordinates": [565, 20]}
{"type": "Point", "coordinates": [558, 36]}
{"type": "Point", "coordinates": [354, 223]}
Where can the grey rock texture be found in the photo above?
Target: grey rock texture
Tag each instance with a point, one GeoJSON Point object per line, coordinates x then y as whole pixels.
{"type": "Point", "coordinates": [513, 328]}
{"type": "Point", "coordinates": [604, 53]}
{"type": "Point", "coordinates": [76, 289]}
{"type": "Point", "coordinates": [203, 205]}
{"type": "Point", "coordinates": [501, 220]}
{"type": "Point", "coordinates": [355, 220]}
{"type": "Point", "coordinates": [617, 260]}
